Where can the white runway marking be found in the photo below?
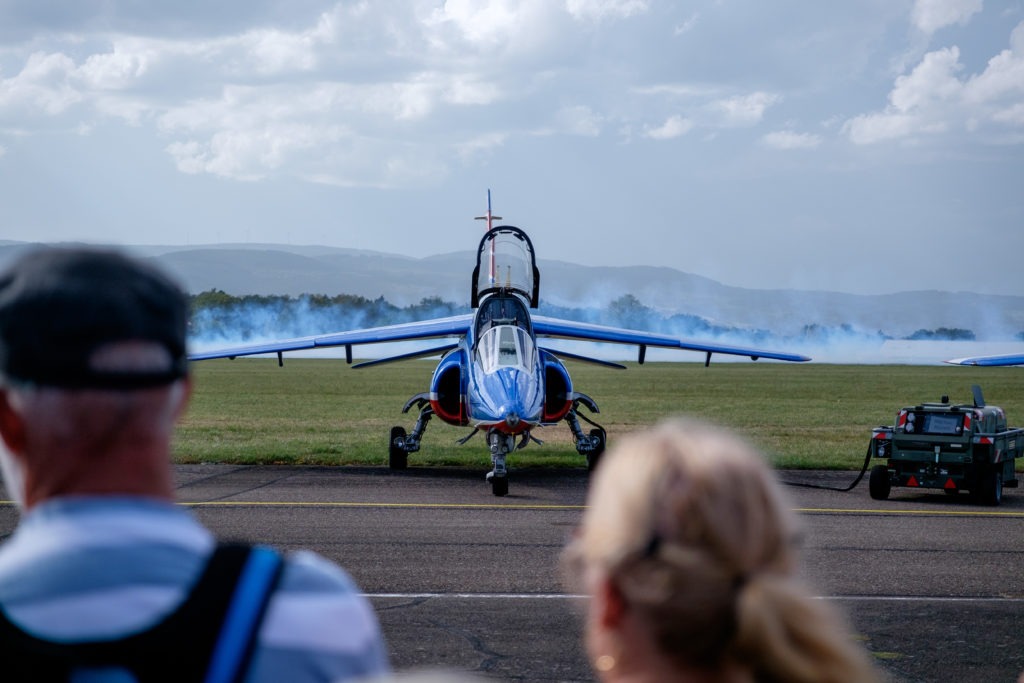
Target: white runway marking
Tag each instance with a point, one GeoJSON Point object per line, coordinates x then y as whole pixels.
{"type": "Point", "coordinates": [572, 596]}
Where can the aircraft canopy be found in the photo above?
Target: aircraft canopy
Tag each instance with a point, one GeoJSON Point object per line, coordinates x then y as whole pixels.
{"type": "Point", "coordinates": [506, 346]}
{"type": "Point", "coordinates": [505, 263]}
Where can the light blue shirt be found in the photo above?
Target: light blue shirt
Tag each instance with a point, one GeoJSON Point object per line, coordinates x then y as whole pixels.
{"type": "Point", "coordinates": [90, 568]}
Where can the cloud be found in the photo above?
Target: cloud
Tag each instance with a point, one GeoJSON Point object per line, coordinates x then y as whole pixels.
{"type": "Point", "coordinates": [1013, 115]}
{"type": "Point", "coordinates": [597, 10]}
{"type": "Point", "coordinates": [579, 120]}
{"type": "Point", "coordinates": [743, 110]}
{"type": "Point", "coordinates": [45, 84]}
{"type": "Point", "coordinates": [674, 127]}
{"type": "Point", "coordinates": [931, 15]}
{"type": "Point", "coordinates": [933, 98]}
{"type": "Point", "coordinates": [481, 145]}
{"type": "Point", "coordinates": [678, 90]}
{"type": "Point", "coordinates": [492, 25]}
{"type": "Point", "coordinates": [785, 139]}
{"type": "Point", "coordinates": [687, 25]}
{"type": "Point", "coordinates": [114, 70]}
{"type": "Point", "coordinates": [245, 154]}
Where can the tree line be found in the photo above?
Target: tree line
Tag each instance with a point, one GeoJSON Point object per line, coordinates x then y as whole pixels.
{"type": "Point", "coordinates": [218, 314]}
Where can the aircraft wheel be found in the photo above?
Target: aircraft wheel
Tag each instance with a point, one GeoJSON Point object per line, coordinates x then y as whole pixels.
{"type": "Point", "coordinates": [398, 458]}
{"type": "Point", "coordinates": [499, 486]}
{"type": "Point", "coordinates": [878, 482]}
{"type": "Point", "coordinates": [992, 488]}
{"type": "Point", "coordinates": [594, 456]}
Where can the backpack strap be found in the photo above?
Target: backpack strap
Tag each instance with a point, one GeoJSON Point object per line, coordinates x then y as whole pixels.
{"type": "Point", "coordinates": [212, 633]}
{"type": "Point", "coordinates": [234, 646]}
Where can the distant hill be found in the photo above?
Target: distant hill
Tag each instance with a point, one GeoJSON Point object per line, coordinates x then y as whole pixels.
{"type": "Point", "coordinates": [284, 269]}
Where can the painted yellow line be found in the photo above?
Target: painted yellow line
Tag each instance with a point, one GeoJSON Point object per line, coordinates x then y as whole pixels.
{"type": "Point", "coordinates": [468, 506]}
{"type": "Point", "coordinates": [494, 506]}
{"type": "Point", "coordinates": [897, 511]}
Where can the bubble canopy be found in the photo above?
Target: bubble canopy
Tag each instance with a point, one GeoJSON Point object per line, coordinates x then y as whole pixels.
{"type": "Point", "coordinates": [505, 262]}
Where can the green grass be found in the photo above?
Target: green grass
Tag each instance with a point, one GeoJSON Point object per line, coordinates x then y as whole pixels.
{"type": "Point", "coordinates": [319, 411]}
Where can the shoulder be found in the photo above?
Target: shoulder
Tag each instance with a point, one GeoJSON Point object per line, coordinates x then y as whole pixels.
{"type": "Point", "coordinates": [318, 621]}
{"type": "Point", "coordinates": [308, 572]}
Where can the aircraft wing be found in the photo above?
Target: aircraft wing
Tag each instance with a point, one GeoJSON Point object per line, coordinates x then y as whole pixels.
{"type": "Point", "coordinates": [567, 329]}
{"type": "Point", "coordinates": [1008, 359]}
{"type": "Point", "coordinates": [439, 327]}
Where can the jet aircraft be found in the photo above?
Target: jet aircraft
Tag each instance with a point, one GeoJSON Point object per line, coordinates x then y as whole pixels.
{"type": "Point", "coordinates": [1006, 359]}
{"type": "Point", "coordinates": [494, 374]}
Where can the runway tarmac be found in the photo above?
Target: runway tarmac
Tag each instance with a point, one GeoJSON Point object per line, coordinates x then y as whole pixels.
{"type": "Point", "coordinates": [462, 580]}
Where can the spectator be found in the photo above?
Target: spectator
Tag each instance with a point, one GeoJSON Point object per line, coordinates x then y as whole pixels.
{"type": "Point", "coordinates": [687, 552]}
{"type": "Point", "coordinates": [105, 578]}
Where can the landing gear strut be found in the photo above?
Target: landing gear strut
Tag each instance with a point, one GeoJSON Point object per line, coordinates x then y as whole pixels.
{"type": "Point", "coordinates": [589, 445]}
{"type": "Point", "coordinates": [500, 444]}
{"type": "Point", "coordinates": [402, 444]}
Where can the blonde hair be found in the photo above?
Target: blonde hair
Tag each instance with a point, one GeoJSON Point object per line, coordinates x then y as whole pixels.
{"type": "Point", "coordinates": [690, 525]}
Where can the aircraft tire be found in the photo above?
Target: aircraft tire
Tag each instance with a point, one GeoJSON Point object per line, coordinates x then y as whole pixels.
{"type": "Point", "coordinates": [878, 482]}
{"type": "Point", "coordinates": [499, 486]}
{"type": "Point", "coordinates": [398, 459]}
{"type": "Point", "coordinates": [594, 456]}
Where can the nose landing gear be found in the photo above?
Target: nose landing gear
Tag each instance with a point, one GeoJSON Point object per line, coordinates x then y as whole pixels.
{"type": "Point", "coordinates": [500, 444]}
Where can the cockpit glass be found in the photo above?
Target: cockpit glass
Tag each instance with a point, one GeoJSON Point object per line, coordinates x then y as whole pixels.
{"type": "Point", "coordinates": [505, 261]}
{"type": "Point", "coordinates": [506, 310]}
{"type": "Point", "coordinates": [506, 346]}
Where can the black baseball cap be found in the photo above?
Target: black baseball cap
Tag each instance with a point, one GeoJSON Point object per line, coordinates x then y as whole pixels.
{"type": "Point", "coordinates": [67, 313]}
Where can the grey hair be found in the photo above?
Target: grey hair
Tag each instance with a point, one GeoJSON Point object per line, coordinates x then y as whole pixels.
{"type": "Point", "coordinates": [79, 414]}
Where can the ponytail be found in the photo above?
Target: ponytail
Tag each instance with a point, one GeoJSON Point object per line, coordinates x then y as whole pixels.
{"type": "Point", "coordinates": [783, 634]}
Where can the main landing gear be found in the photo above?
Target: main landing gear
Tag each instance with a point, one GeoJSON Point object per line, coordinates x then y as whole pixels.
{"type": "Point", "coordinates": [589, 445]}
{"type": "Point", "coordinates": [402, 444]}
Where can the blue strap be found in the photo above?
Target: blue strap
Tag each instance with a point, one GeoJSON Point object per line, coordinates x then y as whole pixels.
{"type": "Point", "coordinates": [251, 594]}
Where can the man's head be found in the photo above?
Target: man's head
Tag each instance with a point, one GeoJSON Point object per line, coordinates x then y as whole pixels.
{"type": "Point", "coordinates": [70, 317]}
{"type": "Point", "coordinates": [92, 363]}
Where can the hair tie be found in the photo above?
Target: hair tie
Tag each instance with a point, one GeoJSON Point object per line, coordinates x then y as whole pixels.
{"type": "Point", "coordinates": [651, 549]}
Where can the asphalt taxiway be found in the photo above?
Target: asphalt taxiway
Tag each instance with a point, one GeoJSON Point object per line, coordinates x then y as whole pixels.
{"type": "Point", "coordinates": [931, 584]}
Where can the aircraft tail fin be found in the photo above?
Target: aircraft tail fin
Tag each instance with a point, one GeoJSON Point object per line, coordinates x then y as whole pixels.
{"type": "Point", "coordinates": [490, 217]}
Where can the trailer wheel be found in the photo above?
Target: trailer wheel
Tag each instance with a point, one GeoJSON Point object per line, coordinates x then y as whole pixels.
{"type": "Point", "coordinates": [992, 488]}
{"type": "Point", "coordinates": [878, 482]}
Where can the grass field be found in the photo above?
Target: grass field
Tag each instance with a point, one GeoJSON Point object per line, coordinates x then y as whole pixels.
{"type": "Point", "coordinates": [319, 411]}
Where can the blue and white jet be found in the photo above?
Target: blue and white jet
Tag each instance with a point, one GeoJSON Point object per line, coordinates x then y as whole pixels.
{"type": "Point", "coordinates": [494, 375]}
{"type": "Point", "coordinates": [990, 361]}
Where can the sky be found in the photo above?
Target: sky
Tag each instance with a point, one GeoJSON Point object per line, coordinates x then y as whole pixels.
{"type": "Point", "coordinates": [869, 146]}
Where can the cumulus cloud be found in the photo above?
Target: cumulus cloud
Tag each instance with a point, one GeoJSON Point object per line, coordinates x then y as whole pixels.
{"type": "Point", "coordinates": [492, 25]}
{"type": "Point", "coordinates": [934, 98]}
{"type": "Point", "coordinates": [785, 139]}
{"type": "Point", "coordinates": [243, 154]}
{"type": "Point", "coordinates": [931, 15]}
{"type": "Point", "coordinates": [674, 127]}
{"type": "Point", "coordinates": [743, 110]}
{"type": "Point", "coordinates": [45, 84]}
{"type": "Point", "coordinates": [114, 70]}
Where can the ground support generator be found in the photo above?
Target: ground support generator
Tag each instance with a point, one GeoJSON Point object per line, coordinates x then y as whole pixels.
{"type": "Point", "coordinates": [950, 447]}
